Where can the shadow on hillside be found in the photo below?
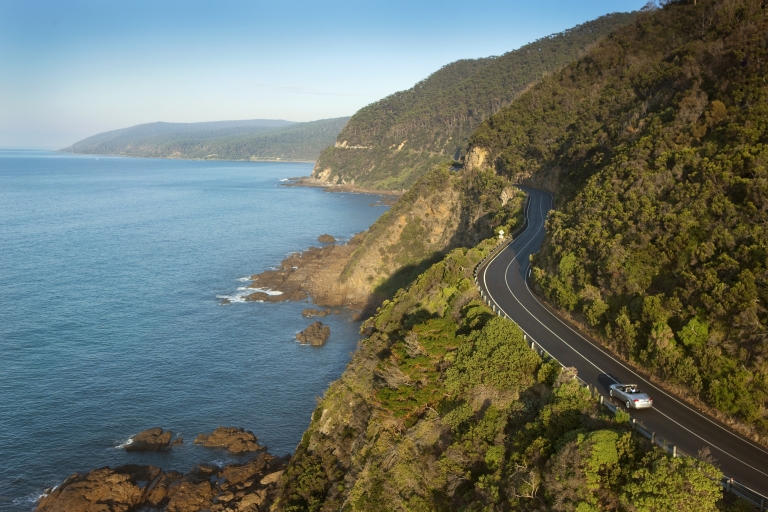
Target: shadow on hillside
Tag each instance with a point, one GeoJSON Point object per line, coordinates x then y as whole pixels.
{"type": "Point", "coordinates": [474, 227]}
{"type": "Point", "coordinates": [402, 278]}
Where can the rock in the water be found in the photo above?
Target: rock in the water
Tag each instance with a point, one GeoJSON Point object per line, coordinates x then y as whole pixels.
{"type": "Point", "coordinates": [250, 486]}
{"type": "Point", "coordinates": [326, 239]}
{"type": "Point", "coordinates": [311, 312]}
{"type": "Point", "coordinates": [152, 440]}
{"type": "Point", "coordinates": [316, 334]}
{"type": "Point", "coordinates": [236, 440]}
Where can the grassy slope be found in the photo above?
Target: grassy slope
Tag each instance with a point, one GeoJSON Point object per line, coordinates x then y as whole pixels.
{"type": "Point", "coordinates": [233, 140]}
{"type": "Point", "coordinates": [657, 141]}
{"type": "Point", "coordinates": [391, 143]}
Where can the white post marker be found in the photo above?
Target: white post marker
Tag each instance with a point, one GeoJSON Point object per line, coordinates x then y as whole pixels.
{"type": "Point", "coordinates": [501, 234]}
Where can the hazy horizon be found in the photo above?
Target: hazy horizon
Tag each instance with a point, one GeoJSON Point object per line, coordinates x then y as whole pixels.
{"type": "Point", "coordinates": [78, 68]}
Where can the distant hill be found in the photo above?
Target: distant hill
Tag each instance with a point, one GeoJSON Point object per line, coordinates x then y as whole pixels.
{"type": "Point", "coordinates": [391, 143]}
{"type": "Point", "coordinates": [257, 139]}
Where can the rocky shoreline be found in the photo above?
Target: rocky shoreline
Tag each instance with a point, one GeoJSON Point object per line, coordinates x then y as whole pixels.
{"type": "Point", "coordinates": [389, 196]}
{"type": "Point", "coordinates": [311, 273]}
{"type": "Point", "coordinates": [250, 486]}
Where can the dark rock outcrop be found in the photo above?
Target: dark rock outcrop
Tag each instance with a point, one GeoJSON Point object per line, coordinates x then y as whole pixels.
{"type": "Point", "coordinates": [311, 312]}
{"type": "Point", "coordinates": [236, 440]}
{"type": "Point", "coordinates": [316, 334]}
{"type": "Point", "coordinates": [152, 440]}
{"type": "Point", "coordinates": [326, 239]}
{"type": "Point", "coordinates": [249, 486]}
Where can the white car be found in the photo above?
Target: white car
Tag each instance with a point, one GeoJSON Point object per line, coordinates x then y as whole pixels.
{"type": "Point", "coordinates": [632, 397]}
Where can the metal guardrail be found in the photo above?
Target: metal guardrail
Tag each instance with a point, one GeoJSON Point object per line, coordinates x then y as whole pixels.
{"type": "Point", "coordinates": [728, 484]}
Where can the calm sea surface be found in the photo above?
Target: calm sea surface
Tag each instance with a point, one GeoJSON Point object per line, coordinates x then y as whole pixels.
{"type": "Point", "coordinates": [111, 276]}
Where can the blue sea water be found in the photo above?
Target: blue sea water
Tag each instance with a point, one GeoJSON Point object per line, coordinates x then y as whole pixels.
{"type": "Point", "coordinates": [111, 273]}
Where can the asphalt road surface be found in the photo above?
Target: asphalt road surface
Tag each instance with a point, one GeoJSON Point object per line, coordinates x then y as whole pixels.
{"type": "Point", "coordinates": [504, 280]}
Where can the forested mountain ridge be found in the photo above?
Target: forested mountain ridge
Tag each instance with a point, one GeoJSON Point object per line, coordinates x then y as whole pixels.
{"type": "Point", "coordinates": [657, 143]}
{"type": "Point", "coordinates": [389, 144]}
{"type": "Point", "coordinates": [259, 139]}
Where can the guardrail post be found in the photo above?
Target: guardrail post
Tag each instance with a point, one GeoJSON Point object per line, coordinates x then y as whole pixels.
{"type": "Point", "coordinates": [762, 504]}
{"type": "Point", "coordinates": [728, 485]}
{"type": "Point", "coordinates": [674, 451]}
{"type": "Point", "coordinates": [601, 399]}
{"type": "Point", "coordinates": [653, 437]}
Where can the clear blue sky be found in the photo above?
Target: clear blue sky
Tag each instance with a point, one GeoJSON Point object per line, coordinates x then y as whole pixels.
{"type": "Point", "coordinates": [73, 68]}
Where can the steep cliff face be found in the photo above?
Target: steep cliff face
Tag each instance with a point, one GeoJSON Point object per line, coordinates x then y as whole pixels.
{"type": "Point", "coordinates": [442, 211]}
{"type": "Point", "coordinates": [389, 144]}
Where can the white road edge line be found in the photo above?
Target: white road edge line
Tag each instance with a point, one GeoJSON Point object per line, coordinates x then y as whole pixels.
{"type": "Point", "coordinates": [485, 269]}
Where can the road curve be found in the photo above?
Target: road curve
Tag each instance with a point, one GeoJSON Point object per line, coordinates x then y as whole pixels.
{"type": "Point", "coordinates": [504, 280]}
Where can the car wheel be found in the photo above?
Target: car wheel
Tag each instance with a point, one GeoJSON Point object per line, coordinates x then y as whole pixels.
{"type": "Point", "coordinates": [628, 404]}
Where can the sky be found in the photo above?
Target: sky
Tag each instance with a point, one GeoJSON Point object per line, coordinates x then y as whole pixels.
{"type": "Point", "coordinates": [73, 68]}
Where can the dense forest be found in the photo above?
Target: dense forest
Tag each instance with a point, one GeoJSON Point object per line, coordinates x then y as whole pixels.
{"type": "Point", "coordinates": [657, 144]}
{"type": "Point", "coordinates": [390, 143]}
{"type": "Point", "coordinates": [445, 407]}
{"type": "Point", "coordinates": [260, 139]}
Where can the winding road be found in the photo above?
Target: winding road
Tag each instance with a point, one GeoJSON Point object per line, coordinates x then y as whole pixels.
{"type": "Point", "coordinates": [504, 279]}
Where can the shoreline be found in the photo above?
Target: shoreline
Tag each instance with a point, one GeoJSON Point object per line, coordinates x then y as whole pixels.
{"type": "Point", "coordinates": [256, 478]}
{"type": "Point", "coordinates": [274, 160]}
{"type": "Point", "coordinates": [309, 181]}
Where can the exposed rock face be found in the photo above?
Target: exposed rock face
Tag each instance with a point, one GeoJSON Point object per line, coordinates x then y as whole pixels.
{"type": "Point", "coordinates": [238, 487]}
{"type": "Point", "coordinates": [313, 272]}
{"type": "Point", "coordinates": [236, 440]}
{"type": "Point", "coordinates": [476, 158]}
{"type": "Point", "coordinates": [152, 440]}
{"type": "Point", "coordinates": [316, 334]}
{"type": "Point", "coordinates": [102, 489]}
{"type": "Point", "coordinates": [326, 239]}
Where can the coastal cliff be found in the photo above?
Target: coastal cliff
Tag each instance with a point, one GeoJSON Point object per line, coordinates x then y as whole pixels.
{"type": "Point", "coordinates": [445, 209]}
{"type": "Point", "coordinates": [445, 407]}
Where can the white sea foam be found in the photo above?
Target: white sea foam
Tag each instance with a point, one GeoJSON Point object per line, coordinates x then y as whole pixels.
{"type": "Point", "coordinates": [123, 444]}
{"type": "Point", "coordinates": [268, 291]}
{"type": "Point", "coordinates": [245, 291]}
{"type": "Point", "coordinates": [245, 279]}
{"type": "Point", "coordinates": [232, 298]}
{"type": "Point", "coordinates": [34, 497]}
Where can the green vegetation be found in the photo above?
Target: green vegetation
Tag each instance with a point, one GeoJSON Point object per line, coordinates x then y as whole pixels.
{"type": "Point", "coordinates": [442, 210]}
{"type": "Point", "coordinates": [259, 139]}
{"type": "Point", "coordinates": [389, 144]}
{"type": "Point", "coordinates": [657, 142]}
{"type": "Point", "coordinates": [444, 407]}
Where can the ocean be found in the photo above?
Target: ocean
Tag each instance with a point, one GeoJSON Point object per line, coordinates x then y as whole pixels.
{"type": "Point", "coordinates": [112, 272]}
